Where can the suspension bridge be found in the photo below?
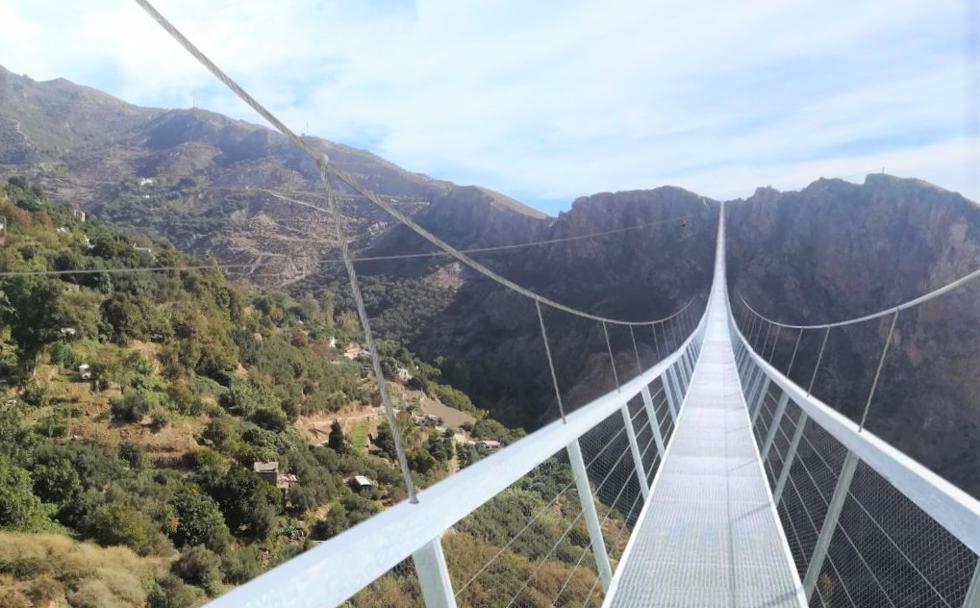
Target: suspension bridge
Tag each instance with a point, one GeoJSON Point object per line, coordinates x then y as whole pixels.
{"type": "Point", "coordinates": [747, 491]}
{"type": "Point", "coordinates": [709, 478]}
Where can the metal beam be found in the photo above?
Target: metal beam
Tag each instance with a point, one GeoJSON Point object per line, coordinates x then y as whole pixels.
{"type": "Point", "coordinates": [654, 422]}
{"type": "Point", "coordinates": [829, 523]}
{"type": "Point", "coordinates": [794, 444]}
{"type": "Point", "coordinates": [635, 448]}
{"type": "Point", "coordinates": [589, 513]}
{"type": "Point", "coordinates": [671, 398]}
{"type": "Point", "coordinates": [777, 418]}
{"type": "Point", "coordinates": [430, 566]}
{"type": "Point", "coordinates": [760, 399]}
{"type": "Point", "coordinates": [675, 406]}
{"type": "Point", "coordinates": [972, 599]}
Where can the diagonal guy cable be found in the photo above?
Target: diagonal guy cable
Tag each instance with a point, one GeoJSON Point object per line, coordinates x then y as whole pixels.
{"type": "Point", "coordinates": [351, 181]}
{"type": "Point", "coordinates": [323, 166]}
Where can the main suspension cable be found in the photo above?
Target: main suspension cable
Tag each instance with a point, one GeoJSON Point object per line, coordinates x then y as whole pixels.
{"type": "Point", "coordinates": [881, 313]}
{"type": "Point", "coordinates": [347, 178]}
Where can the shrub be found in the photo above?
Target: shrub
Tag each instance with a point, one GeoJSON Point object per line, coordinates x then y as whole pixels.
{"type": "Point", "coordinates": [171, 592]}
{"type": "Point", "coordinates": [270, 418]}
{"type": "Point", "coordinates": [133, 453]}
{"type": "Point", "coordinates": [159, 418]}
{"type": "Point", "coordinates": [117, 524]}
{"type": "Point", "coordinates": [35, 394]}
{"type": "Point", "coordinates": [200, 566]}
{"type": "Point", "coordinates": [64, 355]}
{"type": "Point", "coordinates": [241, 565]}
{"type": "Point", "coordinates": [131, 407]}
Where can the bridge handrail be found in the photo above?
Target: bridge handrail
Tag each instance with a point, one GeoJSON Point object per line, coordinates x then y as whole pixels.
{"type": "Point", "coordinates": [950, 507]}
{"type": "Point", "coordinates": [935, 293]}
{"type": "Point", "coordinates": [340, 567]}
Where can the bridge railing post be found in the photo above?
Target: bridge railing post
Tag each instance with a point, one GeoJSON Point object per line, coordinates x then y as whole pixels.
{"type": "Point", "coordinates": [829, 523]}
{"type": "Point", "coordinates": [673, 402]}
{"type": "Point", "coordinates": [759, 399]}
{"type": "Point", "coordinates": [678, 369]}
{"type": "Point", "coordinates": [972, 599]}
{"type": "Point", "coordinates": [430, 567]}
{"type": "Point", "coordinates": [635, 449]}
{"type": "Point", "coordinates": [654, 422]}
{"type": "Point", "coordinates": [794, 445]}
{"type": "Point", "coordinates": [774, 425]}
{"type": "Point", "coordinates": [681, 383]}
{"type": "Point", "coordinates": [587, 501]}
{"type": "Point", "coordinates": [749, 385]}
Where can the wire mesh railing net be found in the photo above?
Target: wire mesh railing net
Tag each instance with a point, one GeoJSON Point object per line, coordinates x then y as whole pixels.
{"type": "Point", "coordinates": [613, 476]}
{"type": "Point", "coordinates": [398, 588]}
{"type": "Point", "coordinates": [528, 546]}
{"type": "Point", "coordinates": [883, 549]}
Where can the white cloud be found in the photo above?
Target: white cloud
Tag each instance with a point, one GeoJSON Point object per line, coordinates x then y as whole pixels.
{"type": "Point", "coordinates": [551, 100]}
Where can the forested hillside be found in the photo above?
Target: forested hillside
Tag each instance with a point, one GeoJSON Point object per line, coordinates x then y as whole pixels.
{"type": "Point", "coordinates": [135, 406]}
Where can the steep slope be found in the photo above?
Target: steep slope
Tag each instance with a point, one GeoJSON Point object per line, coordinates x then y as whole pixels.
{"type": "Point", "coordinates": [222, 187]}
{"type": "Point", "coordinates": [837, 250]}
{"type": "Point", "coordinates": [198, 178]}
{"type": "Point", "coordinates": [653, 253]}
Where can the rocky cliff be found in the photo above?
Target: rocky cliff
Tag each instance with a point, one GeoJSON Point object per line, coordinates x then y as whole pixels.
{"type": "Point", "coordinates": [837, 250]}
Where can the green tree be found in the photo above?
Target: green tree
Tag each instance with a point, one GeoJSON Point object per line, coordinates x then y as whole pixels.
{"type": "Point", "coordinates": [249, 504]}
{"type": "Point", "coordinates": [56, 481]}
{"type": "Point", "coordinates": [336, 440]}
{"type": "Point", "coordinates": [20, 509]}
{"type": "Point", "coordinates": [133, 454]}
{"type": "Point", "coordinates": [385, 441]}
{"type": "Point", "coordinates": [29, 307]}
{"type": "Point", "coordinates": [198, 520]}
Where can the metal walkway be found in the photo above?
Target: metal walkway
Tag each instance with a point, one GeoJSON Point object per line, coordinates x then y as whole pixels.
{"type": "Point", "coordinates": [709, 535]}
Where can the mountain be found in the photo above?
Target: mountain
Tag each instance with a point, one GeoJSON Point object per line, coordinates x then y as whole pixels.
{"type": "Point", "coordinates": [198, 178]}
{"type": "Point", "coordinates": [837, 250]}
{"type": "Point", "coordinates": [219, 187]}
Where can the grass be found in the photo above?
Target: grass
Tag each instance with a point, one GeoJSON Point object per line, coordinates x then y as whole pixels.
{"type": "Point", "coordinates": [359, 436]}
{"type": "Point", "coordinates": [50, 569]}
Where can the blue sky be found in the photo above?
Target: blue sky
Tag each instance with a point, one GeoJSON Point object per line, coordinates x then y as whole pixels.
{"type": "Point", "coordinates": [547, 101]}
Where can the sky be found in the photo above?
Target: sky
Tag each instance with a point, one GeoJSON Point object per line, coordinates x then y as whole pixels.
{"type": "Point", "coordinates": [547, 101]}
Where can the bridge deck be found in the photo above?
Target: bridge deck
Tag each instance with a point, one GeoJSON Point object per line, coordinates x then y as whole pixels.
{"type": "Point", "coordinates": [709, 535]}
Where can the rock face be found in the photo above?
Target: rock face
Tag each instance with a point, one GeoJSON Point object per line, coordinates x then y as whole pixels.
{"type": "Point", "coordinates": [492, 338]}
{"type": "Point", "coordinates": [837, 250]}
{"type": "Point", "coordinates": [239, 192]}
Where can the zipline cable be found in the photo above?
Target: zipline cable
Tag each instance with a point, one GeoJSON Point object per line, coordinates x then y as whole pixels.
{"type": "Point", "coordinates": [377, 258]}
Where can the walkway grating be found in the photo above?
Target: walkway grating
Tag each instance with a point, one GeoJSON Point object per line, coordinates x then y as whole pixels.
{"type": "Point", "coordinates": [709, 536]}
